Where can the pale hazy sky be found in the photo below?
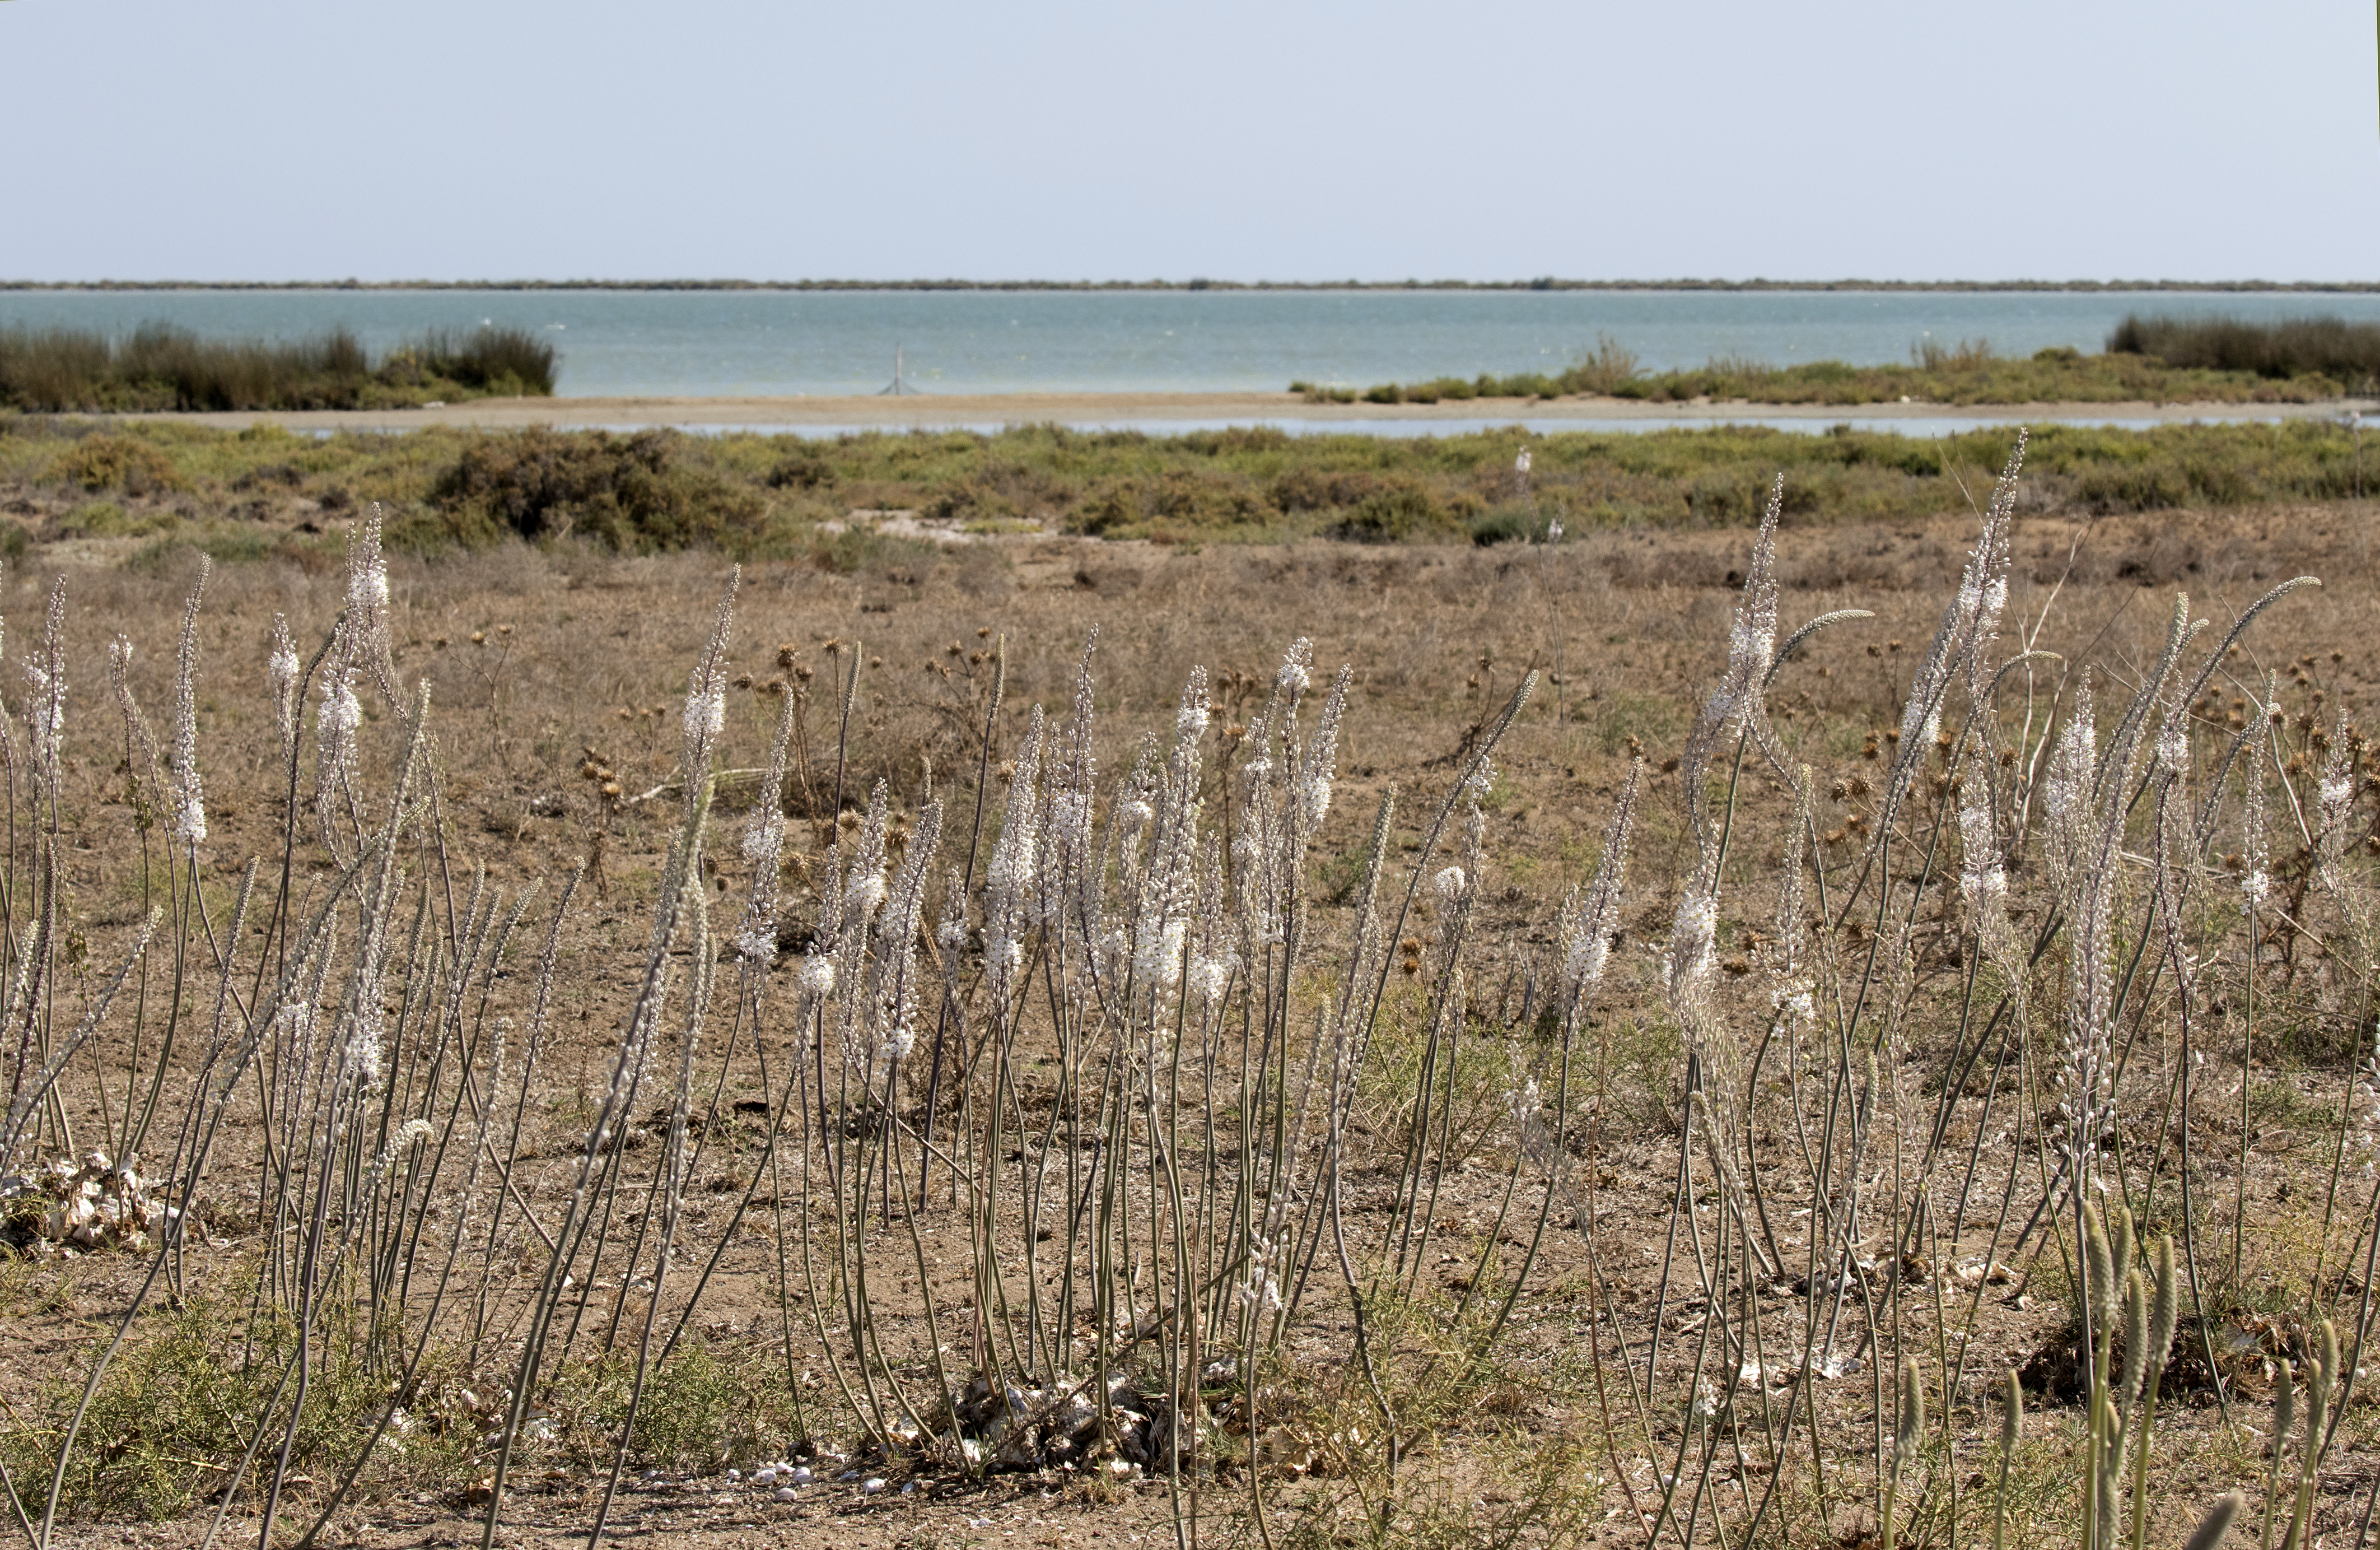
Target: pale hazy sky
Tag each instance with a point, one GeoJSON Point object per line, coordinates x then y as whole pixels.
{"type": "Point", "coordinates": [1282, 139]}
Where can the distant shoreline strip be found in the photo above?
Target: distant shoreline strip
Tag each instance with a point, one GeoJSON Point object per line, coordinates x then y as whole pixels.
{"type": "Point", "coordinates": [2315, 287]}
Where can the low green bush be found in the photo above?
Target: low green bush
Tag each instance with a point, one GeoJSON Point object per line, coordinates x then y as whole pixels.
{"type": "Point", "coordinates": [637, 493]}
{"type": "Point", "coordinates": [105, 462]}
{"type": "Point", "coordinates": [1399, 513]}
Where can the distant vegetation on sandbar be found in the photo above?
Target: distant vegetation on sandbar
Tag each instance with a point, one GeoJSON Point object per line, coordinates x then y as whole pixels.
{"type": "Point", "coordinates": [159, 366]}
{"type": "Point", "coordinates": [2156, 360]}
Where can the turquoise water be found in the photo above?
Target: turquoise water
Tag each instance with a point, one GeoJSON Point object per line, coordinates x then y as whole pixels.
{"type": "Point", "coordinates": [702, 343]}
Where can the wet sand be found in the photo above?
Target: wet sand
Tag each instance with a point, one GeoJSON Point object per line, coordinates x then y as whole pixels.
{"type": "Point", "coordinates": [1157, 411]}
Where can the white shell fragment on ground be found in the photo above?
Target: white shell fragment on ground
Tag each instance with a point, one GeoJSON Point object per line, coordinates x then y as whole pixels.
{"type": "Point", "coordinates": [91, 1204]}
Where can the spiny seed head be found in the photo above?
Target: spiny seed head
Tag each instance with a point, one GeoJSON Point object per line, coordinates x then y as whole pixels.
{"type": "Point", "coordinates": [2119, 1238]}
{"type": "Point", "coordinates": [2098, 1269]}
{"type": "Point", "coordinates": [2218, 1521]}
{"type": "Point", "coordinates": [2011, 1413]}
{"type": "Point", "coordinates": [2136, 1332]}
{"type": "Point", "coordinates": [1912, 1412]}
{"type": "Point", "coordinates": [2166, 1310]}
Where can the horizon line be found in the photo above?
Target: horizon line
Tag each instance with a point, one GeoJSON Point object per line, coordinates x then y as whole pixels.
{"type": "Point", "coordinates": [1547, 283]}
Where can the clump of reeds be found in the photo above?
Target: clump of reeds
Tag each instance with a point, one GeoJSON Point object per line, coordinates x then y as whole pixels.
{"type": "Point", "coordinates": [2315, 345]}
{"type": "Point", "coordinates": [162, 366]}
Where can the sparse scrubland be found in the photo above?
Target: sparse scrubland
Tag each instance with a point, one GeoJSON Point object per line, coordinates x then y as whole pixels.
{"type": "Point", "coordinates": [160, 367]}
{"type": "Point", "coordinates": [2150, 360]}
{"type": "Point", "coordinates": [1849, 1029]}
{"type": "Point", "coordinates": [752, 496]}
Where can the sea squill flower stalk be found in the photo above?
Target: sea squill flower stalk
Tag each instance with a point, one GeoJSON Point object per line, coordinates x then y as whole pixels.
{"type": "Point", "coordinates": [2335, 800]}
{"type": "Point", "coordinates": [338, 716]}
{"type": "Point", "coordinates": [1008, 885]}
{"type": "Point", "coordinates": [140, 754]}
{"type": "Point", "coordinates": [1736, 707]}
{"type": "Point", "coordinates": [366, 643]}
{"type": "Point", "coordinates": [45, 696]}
{"type": "Point", "coordinates": [1168, 885]}
{"type": "Point", "coordinates": [2073, 764]}
{"type": "Point", "coordinates": [898, 989]}
{"type": "Point", "coordinates": [705, 716]}
{"type": "Point", "coordinates": [1962, 644]}
{"type": "Point", "coordinates": [190, 793]}
{"type": "Point", "coordinates": [283, 682]}
{"type": "Point", "coordinates": [1065, 880]}
{"type": "Point", "coordinates": [764, 848]}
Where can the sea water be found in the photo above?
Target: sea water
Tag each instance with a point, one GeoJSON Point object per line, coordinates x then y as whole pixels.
{"type": "Point", "coordinates": [615, 343]}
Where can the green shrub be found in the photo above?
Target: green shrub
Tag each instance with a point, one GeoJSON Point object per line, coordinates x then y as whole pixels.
{"type": "Point", "coordinates": [1444, 388]}
{"type": "Point", "coordinates": [105, 462]}
{"type": "Point", "coordinates": [94, 520]}
{"type": "Point", "coordinates": [1306, 488]}
{"type": "Point", "coordinates": [637, 493]}
{"type": "Point", "coordinates": [803, 467]}
{"type": "Point", "coordinates": [1176, 503]}
{"type": "Point", "coordinates": [1400, 513]}
{"type": "Point", "coordinates": [1506, 524]}
{"type": "Point", "coordinates": [998, 491]}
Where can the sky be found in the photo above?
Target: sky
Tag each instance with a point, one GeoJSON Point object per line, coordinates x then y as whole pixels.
{"type": "Point", "coordinates": [1284, 139]}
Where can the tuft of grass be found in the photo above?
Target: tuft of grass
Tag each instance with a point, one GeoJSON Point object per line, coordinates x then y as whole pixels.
{"type": "Point", "coordinates": [175, 1410]}
{"type": "Point", "coordinates": [699, 1411]}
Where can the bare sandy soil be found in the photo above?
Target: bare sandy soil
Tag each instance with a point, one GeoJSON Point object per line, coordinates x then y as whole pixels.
{"type": "Point", "coordinates": [926, 412]}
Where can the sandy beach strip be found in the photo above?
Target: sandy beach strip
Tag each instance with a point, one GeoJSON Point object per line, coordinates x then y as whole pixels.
{"type": "Point", "coordinates": [1157, 411]}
